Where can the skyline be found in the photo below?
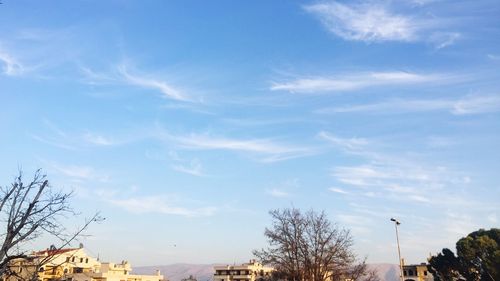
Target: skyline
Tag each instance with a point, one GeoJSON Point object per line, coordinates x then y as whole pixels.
{"type": "Point", "coordinates": [184, 123]}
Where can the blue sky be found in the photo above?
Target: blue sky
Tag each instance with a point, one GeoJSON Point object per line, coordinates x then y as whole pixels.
{"type": "Point", "coordinates": [185, 122]}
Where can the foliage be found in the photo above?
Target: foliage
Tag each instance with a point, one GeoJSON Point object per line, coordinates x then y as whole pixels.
{"type": "Point", "coordinates": [444, 266]}
{"type": "Point", "coordinates": [308, 247]}
{"type": "Point", "coordinates": [479, 254]}
{"type": "Point", "coordinates": [477, 259]}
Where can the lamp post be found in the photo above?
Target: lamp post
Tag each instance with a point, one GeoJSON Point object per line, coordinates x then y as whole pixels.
{"type": "Point", "coordinates": [396, 223]}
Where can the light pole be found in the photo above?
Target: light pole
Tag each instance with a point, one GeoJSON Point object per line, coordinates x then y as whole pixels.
{"type": "Point", "coordinates": [396, 223]}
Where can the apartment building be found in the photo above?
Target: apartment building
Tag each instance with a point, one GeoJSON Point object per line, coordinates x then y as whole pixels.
{"type": "Point", "coordinates": [71, 265]}
{"type": "Point", "coordinates": [417, 272]}
{"type": "Point", "coordinates": [251, 271]}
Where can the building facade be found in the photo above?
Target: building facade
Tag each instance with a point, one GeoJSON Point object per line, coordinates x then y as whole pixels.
{"type": "Point", "coordinates": [252, 271]}
{"type": "Point", "coordinates": [71, 265]}
{"type": "Point", "coordinates": [417, 272]}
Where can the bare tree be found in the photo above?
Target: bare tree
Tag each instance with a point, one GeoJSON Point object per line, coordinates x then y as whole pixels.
{"type": "Point", "coordinates": [308, 247]}
{"type": "Point", "coordinates": [30, 210]}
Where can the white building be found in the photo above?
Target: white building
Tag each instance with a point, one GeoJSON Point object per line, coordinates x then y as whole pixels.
{"type": "Point", "coordinates": [252, 271]}
{"type": "Point", "coordinates": [72, 265]}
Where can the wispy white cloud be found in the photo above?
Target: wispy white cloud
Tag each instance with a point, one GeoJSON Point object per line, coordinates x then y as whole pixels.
{"type": "Point", "coordinates": [355, 81]}
{"type": "Point", "coordinates": [393, 106]}
{"type": "Point", "coordinates": [471, 104]}
{"type": "Point", "coordinates": [269, 150]}
{"type": "Point", "coordinates": [392, 176]}
{"type": "Point", "coordinates": [493, 57]}
{"type": "Point", "coordinates": [349, 144]}
{"type": "Point", "coordinates": [278, 193]}
{"type": "Point", "coordinates": [459, 224]}
{"type": "Point", "coordinates": [380, 174]}
{"type": "Point", "coordinates": [95, 78]}
{"type": "Point", "coordinates": [77, 172]}
{"type": "Point", "coordinates": [192, 107]}
{"type": "Point", "coordinates": [476, 105]}
{"type": "Point", "coordinates": [155, 204]}
{"type": "Point", "coordinates": [440, 142]}
{"type": "Point", "coordinates": [193, 167]}
{"type": "Point", "coordinates": [264, 122]}
{"type": "Point", "coordinates": [444, 39]}
{"type": "Point", "coordinates": [165, 88]}
{"type": "Point", "coordinates": [389, 176]}
{"type": "Point", "coordinates": [373, 21]}
{"type": "Point", "coordinates": [263, 149]}
{"type": "Point", "coordinates": [11, 66]}
{"type": "Point", "coordinates": [338, 190]}
{"type": "Point", "coordinates": [52, 141]}
{"type": "Point", "coordinates": [97, 139]}
{"type": "Point", "coordinates": [423, 2]}
{"type": "Point", "coordinates": [56, 136]}
{"type": "Point", "coordinates": [493, 218]}
{"type": "Point", "coordinates": [364, 22]}
{"type": "Point", "coordinates": [121, 74]}
{"type": "Point", "coordinates": [284, 189]}
{"type": "Point", "coordinates": [400, 179]}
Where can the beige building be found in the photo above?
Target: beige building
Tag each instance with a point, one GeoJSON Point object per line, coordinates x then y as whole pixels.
{"type": "Point", "coordinates": [417, 272]}
{"type": "Point", "coordinates": [72, 265]}
{"type": "Point", "coordinates": [252, 271]}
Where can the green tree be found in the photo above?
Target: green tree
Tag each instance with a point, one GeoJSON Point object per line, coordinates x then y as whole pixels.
{"type": "Point", "coordinates": [477, 259]}
{"type": "Point", "coordinates": [479, 255]}
{"type": "Point", "coordinates": [445, 266]}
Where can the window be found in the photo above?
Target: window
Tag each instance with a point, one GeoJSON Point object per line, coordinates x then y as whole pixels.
{"type": "Point", "coordinates": [81, 259]}
{"type": "Point", "coordinates": [73, 259]}
{"type": "Point", "coordinates": [87, 260]}
{"type": "Point", "coordinates": [67, 259]}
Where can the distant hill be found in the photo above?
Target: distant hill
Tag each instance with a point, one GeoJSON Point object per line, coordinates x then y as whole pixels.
{"type": "Point", "coordinates": [204, 272]}
{"type": "Point", "coordinates": [386, 271]}
{"type": "Point", "coordinates": [179, 271]}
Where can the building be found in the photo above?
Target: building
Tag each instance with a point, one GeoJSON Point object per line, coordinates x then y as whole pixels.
{"type": "Point", "coordinates": [190, 278]}
{"type": "Point", "coordinates": [71, 265]}
{"type": "Point", "coordinates": [417, 272]}
{"type": "Point", "coordinates": [252, 271]}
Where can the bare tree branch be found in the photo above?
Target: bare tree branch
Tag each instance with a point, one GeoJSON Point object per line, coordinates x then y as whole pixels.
{"type": "Point", "coordinates": [309, 247]}
{"type": "Point", "coordinates": [29, 211]}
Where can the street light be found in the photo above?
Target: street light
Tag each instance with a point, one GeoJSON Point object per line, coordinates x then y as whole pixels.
{"type": "Point", "coordinates": [396, 223]}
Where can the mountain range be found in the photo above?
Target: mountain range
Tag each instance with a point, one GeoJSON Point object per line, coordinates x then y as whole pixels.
{"type": "Point", "coordinates": [204, 272]}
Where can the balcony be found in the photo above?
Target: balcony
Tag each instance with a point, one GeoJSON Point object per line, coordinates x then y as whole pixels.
{"type": "Point", "coordinates": [245, 276]}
